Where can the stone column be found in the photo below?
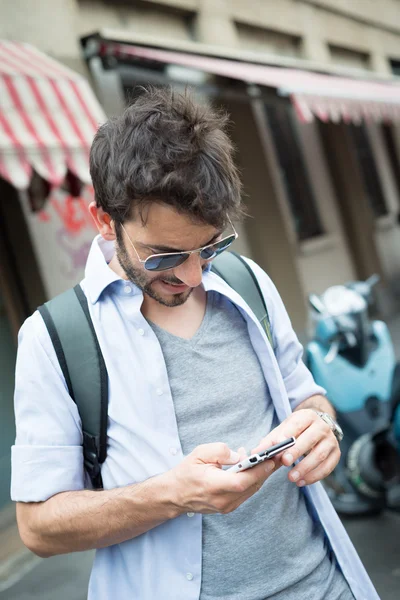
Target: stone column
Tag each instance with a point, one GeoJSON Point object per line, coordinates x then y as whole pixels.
{"type": "Point", "coordinates": [214, 25]}
{"type": "Point", "coordinates": [380, 63]}
{"type": "Point", "coordinates": [314, 47]}
{"type": "Point", "coordinates": [269, 237]}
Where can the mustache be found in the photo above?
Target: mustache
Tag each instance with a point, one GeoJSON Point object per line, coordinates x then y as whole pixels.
{"type": "Point", "coordinates": [174, 280]}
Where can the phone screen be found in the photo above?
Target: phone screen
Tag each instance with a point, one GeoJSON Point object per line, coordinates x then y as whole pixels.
{"type": "Point", "coordinates": [255, 459]}
{"type": "Point", "coordinates": [277, 448]}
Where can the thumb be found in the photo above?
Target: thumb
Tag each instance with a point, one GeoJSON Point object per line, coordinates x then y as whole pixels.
{"type": "Point", "coordinates": [217, 453]}
{"type": "Point", "coordinates": [242, 453]}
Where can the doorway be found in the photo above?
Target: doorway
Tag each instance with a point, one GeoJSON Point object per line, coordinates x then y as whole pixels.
{"type": "Point", "coordinates": [21, 291]}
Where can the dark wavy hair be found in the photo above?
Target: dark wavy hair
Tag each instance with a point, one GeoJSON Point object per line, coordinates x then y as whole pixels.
{"type": "Point", "coordinates": [166, 148]}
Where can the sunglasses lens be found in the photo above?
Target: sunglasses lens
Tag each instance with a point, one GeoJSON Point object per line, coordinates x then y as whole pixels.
{"type": "Point", "coordinates": [215, 249]}
{"type": "Point", "coordinates": [164, 262]}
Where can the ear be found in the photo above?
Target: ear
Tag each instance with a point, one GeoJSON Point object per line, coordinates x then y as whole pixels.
{"type": "Point", "coordinates": [103, 222]}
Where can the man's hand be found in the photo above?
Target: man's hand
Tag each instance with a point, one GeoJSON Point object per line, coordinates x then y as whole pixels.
{"type": "Point", "coordinates": [314, 440]}
{"type": "Point", "coordinates": [201, 486]}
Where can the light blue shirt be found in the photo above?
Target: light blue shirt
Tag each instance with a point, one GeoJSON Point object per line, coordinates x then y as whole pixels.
{"type": "Point", "coordinates": [143, 438]}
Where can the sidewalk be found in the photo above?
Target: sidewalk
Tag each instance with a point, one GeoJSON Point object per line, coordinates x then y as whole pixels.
{"type": "Point", "coordinates": [63, 577]}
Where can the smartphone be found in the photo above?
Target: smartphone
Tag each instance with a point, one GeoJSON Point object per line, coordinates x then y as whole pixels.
{"type": "Point", "coordinates": [256, 459]}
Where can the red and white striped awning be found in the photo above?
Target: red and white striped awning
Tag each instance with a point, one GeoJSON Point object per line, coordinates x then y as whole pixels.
{"type": "Point", "coordinates": [328, 97]}
{"type": "Point", "coordinates": [48, 117]}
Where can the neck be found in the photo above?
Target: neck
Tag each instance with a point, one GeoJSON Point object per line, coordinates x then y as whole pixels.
{"type": "Point", "coordinates": [160, 314]}
{"type": "Point", "coordinates": [116, 267]}
{"type": "Point", "coordinates": [182, 321]}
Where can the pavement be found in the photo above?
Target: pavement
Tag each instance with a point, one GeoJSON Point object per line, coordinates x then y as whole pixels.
{"type": "Point", "coordinates": [377, 540]}
{"type": "Point", "coordinates": [62, 577]}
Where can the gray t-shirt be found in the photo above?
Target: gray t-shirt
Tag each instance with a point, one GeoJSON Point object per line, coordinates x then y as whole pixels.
{"type": "Point", "coordinates": [269, 547]}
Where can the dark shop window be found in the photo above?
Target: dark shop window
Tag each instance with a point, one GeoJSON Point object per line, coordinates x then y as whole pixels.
{"type": "Point", "coordinates": [392, 151]}
{"type": "Point", "coordinates": [395, 66]}
{"type": "Point", "coordinates": [366, 160]}
{"type": "Point", "coordinates": [293, 170]}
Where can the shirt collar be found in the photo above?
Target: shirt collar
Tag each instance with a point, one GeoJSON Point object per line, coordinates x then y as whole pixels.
{"type": "Point", "coordinates": [98, 275]}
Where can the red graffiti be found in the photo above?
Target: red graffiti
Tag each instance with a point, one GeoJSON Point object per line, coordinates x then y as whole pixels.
{"type": "Point", "coordinates": [43, 216]}
{"type": "Point", "coordinates": [73, 212]}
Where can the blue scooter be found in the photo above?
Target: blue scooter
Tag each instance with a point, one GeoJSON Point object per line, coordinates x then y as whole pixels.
{"type": "Point", "coordinates": [351, 355]}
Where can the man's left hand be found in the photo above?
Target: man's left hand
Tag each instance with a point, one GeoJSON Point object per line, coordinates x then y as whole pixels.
{"type": "Point", "coordinates": [315, 442]}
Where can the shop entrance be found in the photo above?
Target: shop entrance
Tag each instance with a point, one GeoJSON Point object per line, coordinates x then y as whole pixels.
{"type": "Point", "coordinates": [21, 291]}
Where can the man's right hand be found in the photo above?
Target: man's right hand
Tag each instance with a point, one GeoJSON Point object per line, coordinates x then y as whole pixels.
{"type": "Point", "coordinates": [201, 486]}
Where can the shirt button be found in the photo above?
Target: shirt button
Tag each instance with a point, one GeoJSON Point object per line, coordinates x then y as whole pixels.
{"type": "Point", "coordinates": [140, 331]}
{"type": "Point", "coordinates": [159, 392]}
{"type": "Point", "coordinates": [173, 451]}
{"type": "Point", "coordinates": [127, 289]}
{"type": "Point", "coordinates": [189, 576]}
{"type": "Point", "coordinates": [190, 514]}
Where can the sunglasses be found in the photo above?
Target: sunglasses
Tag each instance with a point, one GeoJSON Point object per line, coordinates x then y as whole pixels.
{"type": "Point", "coordinates": [170, 260]}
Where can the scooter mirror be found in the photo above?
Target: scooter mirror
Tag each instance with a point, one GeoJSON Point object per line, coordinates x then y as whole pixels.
{"type": "Point", "coordinates": [316, 303]}
{"type": "Point", "coordinates": [373, 280]}
{"type": "Point", "coordinates": [364, 288]}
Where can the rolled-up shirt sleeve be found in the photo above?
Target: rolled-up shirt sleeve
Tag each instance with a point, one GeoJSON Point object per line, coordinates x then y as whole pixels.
{"type": "Point", "coordinates": [298, 380]}
{"type": "Point", "coordinates": [47, 457]}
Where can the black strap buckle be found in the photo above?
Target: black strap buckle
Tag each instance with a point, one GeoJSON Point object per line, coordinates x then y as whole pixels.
{"type": "Point", "coordinates": [91, 459]}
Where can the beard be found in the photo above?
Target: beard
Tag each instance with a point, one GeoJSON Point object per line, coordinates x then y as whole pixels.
{"type": "Point", "coordinates": [138, 276]}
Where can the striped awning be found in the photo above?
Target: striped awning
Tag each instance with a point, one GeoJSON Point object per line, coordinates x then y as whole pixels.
{"type": "Point", "coordinates": [48, 117]}
{"type": "Point", "coordinates": [327, 97]}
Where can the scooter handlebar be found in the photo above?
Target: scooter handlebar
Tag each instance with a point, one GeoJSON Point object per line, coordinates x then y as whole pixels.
{"type": "Point", "coordinates": [317, 304]}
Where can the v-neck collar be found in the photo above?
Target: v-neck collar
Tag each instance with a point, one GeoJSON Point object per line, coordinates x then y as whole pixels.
{"type": "Point", "coordinates": [199, 334]}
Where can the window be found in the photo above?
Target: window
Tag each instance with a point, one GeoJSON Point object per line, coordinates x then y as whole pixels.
{"type": "Point", "coordinates": [391, 149]}
{"type": "Point", "coordinates": [349, 57]}
{"type": "Point", "coordinates": [268, 41]}
{"type": "Point", "coordinates": [366, 160]}
{"type": "Point", "coordinates": [293, 170]}
{"type": "Point", "coordinates": [395, 65]}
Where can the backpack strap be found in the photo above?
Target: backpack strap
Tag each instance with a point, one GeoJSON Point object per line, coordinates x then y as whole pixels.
{"type": "Point", "coordinates": [72, 333]}
{"type": "Point", "coordinates": [237, 273]}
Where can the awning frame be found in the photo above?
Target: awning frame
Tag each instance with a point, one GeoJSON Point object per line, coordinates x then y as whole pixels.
{"type": "Point", "coordinates": [119, 36]}
{"type": "Point", "coordinates": [321, 95]}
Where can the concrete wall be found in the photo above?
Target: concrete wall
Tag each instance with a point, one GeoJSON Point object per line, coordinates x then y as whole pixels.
{"type": "Point", "coordinates": [304, 28]}
{"type": "Point", "coordinates": [62, 234]}
{"type": "Point", "coordinates": [361, 25]}
{"type": "Point", "coordinates": [50, 25]}
{"type": "Point", "coordinates": [143, 18]}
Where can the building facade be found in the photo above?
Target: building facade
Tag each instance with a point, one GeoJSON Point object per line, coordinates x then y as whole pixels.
{"type": "Point", "coordinates": [302, 232]}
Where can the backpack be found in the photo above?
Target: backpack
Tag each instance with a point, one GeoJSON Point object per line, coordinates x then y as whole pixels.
{"type": "Point", "coordinates": [72, 333]}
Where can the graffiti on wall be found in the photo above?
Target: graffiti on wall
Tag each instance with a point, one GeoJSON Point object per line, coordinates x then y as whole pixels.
{"type": "Point", "coordinates": [73, 229]}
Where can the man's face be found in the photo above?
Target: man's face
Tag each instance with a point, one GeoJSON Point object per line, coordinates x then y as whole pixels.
{"type": "Point", "coordinates": [165, 230]}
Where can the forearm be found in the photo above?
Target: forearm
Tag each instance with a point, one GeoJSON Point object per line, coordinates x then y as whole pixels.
{"type": "Point", "coordinates": [318, 402]}
{"type": "Point", "coordinates": [83, 520]}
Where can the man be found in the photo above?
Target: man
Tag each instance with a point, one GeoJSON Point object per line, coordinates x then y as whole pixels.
{"type": "Point", "coordinates": [192, 377]}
